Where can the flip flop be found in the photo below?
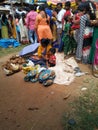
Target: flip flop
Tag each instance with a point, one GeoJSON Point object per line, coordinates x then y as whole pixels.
{"type": "Point", "coordinates": [26, 79]}
{"type": "Point", "coordinates": [44, 75]}
{"type": "Point", "coordinates": [48, 82]}
{"type": "Point", "coordinates": [52, 75]}
{"type": "Point", "coordinates": [34, 80]}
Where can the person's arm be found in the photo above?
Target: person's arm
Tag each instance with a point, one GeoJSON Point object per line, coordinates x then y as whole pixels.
{"type": "Point", "coordinates": [39, 51]}
{"type": "Point", "coordinates": [36, 22]}
{"type": "Point", "coordinates": [94, 22]}
{"type": "Point", "coordinates": [27, 21]}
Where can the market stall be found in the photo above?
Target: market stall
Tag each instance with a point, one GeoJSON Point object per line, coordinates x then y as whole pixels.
{"type": "Point", "coordinates": [54, 2]}
{"type": "Point", "coordinates": [4, 10]}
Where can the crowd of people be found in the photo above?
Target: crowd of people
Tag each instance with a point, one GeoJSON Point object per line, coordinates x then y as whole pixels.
{"type": "Point", "coordinates": [66, 29]}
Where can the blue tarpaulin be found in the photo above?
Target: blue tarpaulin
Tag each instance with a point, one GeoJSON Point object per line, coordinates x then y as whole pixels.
{"type": "Point", "coordinates": [29, 49]}
{"type": "Point", "coordinates": [5, 43]}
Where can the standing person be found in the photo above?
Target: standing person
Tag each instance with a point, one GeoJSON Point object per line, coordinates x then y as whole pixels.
{"type": "Point", "coordinates": [59, 17]}
{"type": "Point", "coordinates": [12, 26]}
{"type": "Point", "coordinates": [67, 13]}
{"type": "Point", "coordinates": [54, 27]}
{"type": "Point", "coordinates": [23, 29]}
{"type": "Point", "coordinates": [84, 44]}
{"type": "Point", "coordinates": [42, 25]}
{"type": "Point", "coordinates": [69, 42]}
{"type": "Point", "coordinates": [5, 26]}
{"type": "Point", "coordinates": [94, 39]}
{"type": "Point", "coordinates": [17, 17]}
{"type": "Point", "coordinates": [30, 21]}
{"type": "Point", "coordinates": [76, 23]}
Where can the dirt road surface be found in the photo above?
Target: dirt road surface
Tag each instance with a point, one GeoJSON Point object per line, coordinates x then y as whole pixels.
{"type": "Point", "coordinates": [31, 106]}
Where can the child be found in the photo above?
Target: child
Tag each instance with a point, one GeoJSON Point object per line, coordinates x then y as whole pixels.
{"type": "Point", "coordinates": [69, 42]}
{"type": "Point", "coordinates": [51, 57]}
{"type": "Point", "coordinates": [68, 12]}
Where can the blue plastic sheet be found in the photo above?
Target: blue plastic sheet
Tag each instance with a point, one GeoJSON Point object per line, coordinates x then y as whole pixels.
{"type": "Point", "coordinates": [5, 43]}
{"type": "Point", "coordinates": [29, 49]}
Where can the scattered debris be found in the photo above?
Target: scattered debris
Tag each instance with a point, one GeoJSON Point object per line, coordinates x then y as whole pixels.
{"type": "Point", "coordinates": [33, 108]}
{"type": "Point", "coordinates": [71, 122]}
{"type": "Point", "coordinates": [67, 96]}
{"type": "Point", "coordinates": [83, 89]}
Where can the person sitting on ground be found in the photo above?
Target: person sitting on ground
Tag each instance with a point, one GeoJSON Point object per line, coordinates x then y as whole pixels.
{"type": "Point", "coordinates": [51, 57]}
{"type": "Point", "coordinates": [42, 52]}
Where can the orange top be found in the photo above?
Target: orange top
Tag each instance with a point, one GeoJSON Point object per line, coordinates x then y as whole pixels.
{"type": "Point", "coordinates": [42, 26]}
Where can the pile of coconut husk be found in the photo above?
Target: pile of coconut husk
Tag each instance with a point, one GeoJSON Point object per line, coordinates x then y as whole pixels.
{"type": "Point", "coordinates": [13, 65]}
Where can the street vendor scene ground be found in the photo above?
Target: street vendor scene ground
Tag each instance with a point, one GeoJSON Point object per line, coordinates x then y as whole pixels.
{"type": "Point", "coordinates": [49, 65]}
{"type": "Point", "coordinates": [32, 106]}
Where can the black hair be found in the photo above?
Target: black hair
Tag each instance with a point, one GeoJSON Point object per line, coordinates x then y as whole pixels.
{"type": "Point", "coordinates": [52, 50]}
{"type": "Point", "coordinates": [68, 4]}
{"type": "Point", "coordinates": [27, 9]}
{"type": "Point", "coordinates": [23, 17]}
{"type": "Point", "coordinates": [4, 18]}
{"type": "Point", "coordinates": [17, 15]}
{"type": "Point", "coordinates": [60, 4]}
{"type": "Point", "coordinates": [91, 8]}
{"type": "Point", "coordinates": [32, 7]}
{"type": "Point", "coordinates": [45, 42]}
{"type": "Point", "coordinates": [42, 8]}
{"type": "Point", "coordinates": [81, 7]}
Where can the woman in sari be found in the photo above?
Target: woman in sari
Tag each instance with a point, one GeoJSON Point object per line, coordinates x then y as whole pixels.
{"type": "Point", "coordinates": [23, 30]}
{"type": "Point", "coordinates": [42, 25]}
{"type": "Point", "coordinates": [85, 35]}
{"type": "Point", "coordinates": [5, 25]}
{"type": "Point", "coordinates": [12, 26]}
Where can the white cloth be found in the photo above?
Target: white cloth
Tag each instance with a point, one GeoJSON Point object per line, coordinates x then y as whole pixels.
{"type": "Point", "coordinates": [23, 30]}
{"type": "Point", "coordinates": [64, 69]}
{"type": "Point", "coordinates": [59, 18]}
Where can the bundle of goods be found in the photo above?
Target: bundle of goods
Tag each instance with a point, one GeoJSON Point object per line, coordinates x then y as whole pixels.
{"type": "Point", "coordinates": [45, 76]}
{"type": "Point", "coordinates": [13, 65]}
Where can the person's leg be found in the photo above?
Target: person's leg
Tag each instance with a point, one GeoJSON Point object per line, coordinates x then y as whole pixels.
{"type": "Point", "coordinates": [58, 36]}
{"type": "Point", "coordinates": [35, 37]}
{"type": "Point", "coordinates": [59, 32]}
{"type": "Point", "coordinates": [31, 36]}
{"type": "Point", "coordinates": [61, 45]}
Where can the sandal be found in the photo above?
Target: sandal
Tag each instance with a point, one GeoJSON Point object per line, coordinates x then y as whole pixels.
{"type": "Point", "coordinates": [44, 75]}
{"type": "Point", "coordinates": [48, 82]}
{"type": "Point", "coordinates": [34, 80]}
{"type": "Point", "coordinates": [52, 75]}
{"type": "Point", "coordinates": [26, 79]}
